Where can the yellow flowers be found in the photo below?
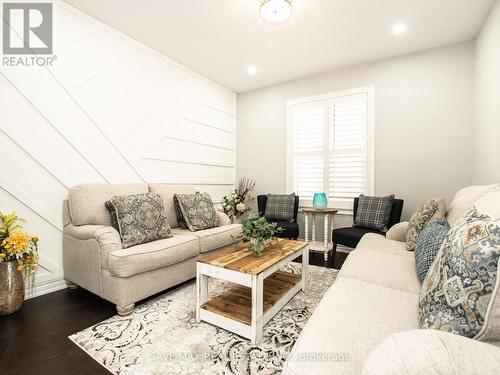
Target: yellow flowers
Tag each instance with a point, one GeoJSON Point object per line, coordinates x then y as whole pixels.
{"type": "Point", "coordinates": [16, 242]}
{"type": "Point", "coordinates": [17, 246]}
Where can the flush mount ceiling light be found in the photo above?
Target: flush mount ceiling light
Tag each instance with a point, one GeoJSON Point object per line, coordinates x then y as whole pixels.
{"type": "Point", "coordinates": [275, 11]}
{"type": "Point", "coordinates": [399, 28]}
{"type": "Point", "coordinates": [252, 70]}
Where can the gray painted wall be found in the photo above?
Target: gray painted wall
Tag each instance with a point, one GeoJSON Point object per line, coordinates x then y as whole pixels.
{"type": "Point", "coordinates": [424, 116]}
{"type": "Point", "coordinates": [487, 120]}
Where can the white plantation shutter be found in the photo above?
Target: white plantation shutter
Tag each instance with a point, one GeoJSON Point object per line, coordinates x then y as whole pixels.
{"type": "Point", "coordinates": [329, 147]}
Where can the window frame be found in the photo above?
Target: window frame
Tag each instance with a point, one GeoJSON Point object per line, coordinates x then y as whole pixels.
{"type": "Point", "coordinates": [343, 205]}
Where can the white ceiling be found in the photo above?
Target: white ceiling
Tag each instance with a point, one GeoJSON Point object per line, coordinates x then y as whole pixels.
{"type": "Point", "coordinates": [221, 38]}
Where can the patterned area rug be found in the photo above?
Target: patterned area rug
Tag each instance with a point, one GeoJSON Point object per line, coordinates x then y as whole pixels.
{"type": "Point", "coordinates": [162, 336]}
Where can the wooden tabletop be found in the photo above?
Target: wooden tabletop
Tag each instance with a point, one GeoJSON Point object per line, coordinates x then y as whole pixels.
{"type": "Point", "coordinates": [311, 210]}
{"type": "Point", "coordinates": [238, 258]}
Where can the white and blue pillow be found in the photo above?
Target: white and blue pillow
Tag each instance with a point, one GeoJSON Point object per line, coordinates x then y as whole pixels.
{"type": "Point", "coordinates": [428, 244]}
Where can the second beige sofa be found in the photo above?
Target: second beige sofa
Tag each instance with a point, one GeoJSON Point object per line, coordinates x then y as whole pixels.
{"type": "Point", "coordinates": [368, 320]}
{"type": "Point", "coordinates": [94, 259]}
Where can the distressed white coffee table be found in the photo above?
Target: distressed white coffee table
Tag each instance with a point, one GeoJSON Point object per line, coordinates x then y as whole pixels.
{"type": "Point", "coordinates": [261, 289]}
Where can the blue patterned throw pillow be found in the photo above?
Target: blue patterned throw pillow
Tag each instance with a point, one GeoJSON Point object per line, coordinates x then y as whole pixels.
{"type": "Point", "coordinates": [460, 294]}
{"type": "Point", "coordinates": [428, 244]}
{"type": "Point", "coordinates": [139, 218]}
{"type": "Point", "coordinates": [197, 211]}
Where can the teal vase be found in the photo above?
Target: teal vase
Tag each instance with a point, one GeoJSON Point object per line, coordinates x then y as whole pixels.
{"type": "Point", "coordinates": [320, 202]}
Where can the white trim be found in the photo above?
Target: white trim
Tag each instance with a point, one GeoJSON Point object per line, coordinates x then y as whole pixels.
{"type": "Point", "coordinates": [370, 147]}
{"type": "Point", "coordinates": [208, 125]}
{"type": "Point", "coordinates": [216, 109]}
{"type": "Point", "coordinates": [187, 161]}
{"type": "Point", "coordinates": [48, 287]}
{"type": "Point", "coordinates": [31, 203]}
{"type": "Point", "coordinates": [180, 139]}
{"type": "Point", "coordinates": [370, 90]}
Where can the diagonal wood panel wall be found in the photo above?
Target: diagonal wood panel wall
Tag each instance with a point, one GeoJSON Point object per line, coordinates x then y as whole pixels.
{"type": "Point", "coordinates": [109, 110]}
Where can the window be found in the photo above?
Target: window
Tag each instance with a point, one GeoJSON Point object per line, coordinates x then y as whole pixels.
{"type": "Point", "coordinates": [330, 146]}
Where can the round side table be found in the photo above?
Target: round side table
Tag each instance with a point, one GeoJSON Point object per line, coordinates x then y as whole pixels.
{"type": "Point", "coordinates": [326, 245]}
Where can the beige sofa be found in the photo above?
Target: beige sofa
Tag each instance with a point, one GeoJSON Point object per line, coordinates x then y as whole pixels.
{"type": "Point", "coordinates": [94, 259]}
{"type": "Point", "coordinates": [367, 322]}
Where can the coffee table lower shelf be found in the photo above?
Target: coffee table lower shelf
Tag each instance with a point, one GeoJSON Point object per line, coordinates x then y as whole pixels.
{"type": "Point", "coordinates": [236, 302]}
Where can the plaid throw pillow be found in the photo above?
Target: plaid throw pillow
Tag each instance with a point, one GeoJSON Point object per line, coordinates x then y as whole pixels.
{"type": "Point", "coordinates": [280, 207]}
{"type": "Point", "coordinates": [374, 212]}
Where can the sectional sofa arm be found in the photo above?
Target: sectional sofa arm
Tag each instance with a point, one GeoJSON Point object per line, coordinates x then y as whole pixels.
{"type": "Point", "coordinates": [103, 234]}
{"type": "Point", "coordinates": [85, 254]}
{"type": "Point", "coordinates": [223, 218]}
{"type": "Point", "coordinates": [432, 352]}
{"type": "Point", "coordinates": [398, 232]}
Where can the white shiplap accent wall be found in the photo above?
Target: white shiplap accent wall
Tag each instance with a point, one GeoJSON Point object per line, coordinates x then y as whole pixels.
{"type": "Point", "coordinates": [110, 110]}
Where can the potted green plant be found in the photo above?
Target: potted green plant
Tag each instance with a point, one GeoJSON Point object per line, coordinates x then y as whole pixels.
{"type": "Point", "coordinates": [259, 232]}
{"type": "Point", "coordinates": [18, 263]}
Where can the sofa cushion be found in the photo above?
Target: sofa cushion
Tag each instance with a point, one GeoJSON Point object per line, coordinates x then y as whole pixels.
{"type": "Point", "coordinates": [464, 200]}
{"type": "Point", "coordinates": [86, 202]}
{"type": "Point", "coordinates": [376, 242]}
{"type": "Point", "coordinates": [152, 255]}
{"type": "Point", "coordinates": [373, 212]}
{"type": "Point", "coordinates": [166, 192]}
{"type": "Point", "coordinates": [461, 290]}
{"type": "Point", "coordinates": [223, 218]}
{"type": "Point", "coordinates": [431, 352]}
{"type": "Point", "coordinates": [379, 268]}
{"type": "Point", "coordinates": [350, 236]}
{"type": "Point", "coordinates": [428, 244]}
{"type": "Point", "coordinates": [398, 232]}
{"type": "Point", "coordinates": [213, 238]}
{"type": "Point", "coordinates": [434, 208]}
{"type": "Point", "coordinates": [140, 218]}
{"type": "Point", "coordinates": [350, 321]}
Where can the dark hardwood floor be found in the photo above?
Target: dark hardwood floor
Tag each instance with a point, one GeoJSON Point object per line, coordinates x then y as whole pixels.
{"type": "Point", "coordinates": [35, 339]}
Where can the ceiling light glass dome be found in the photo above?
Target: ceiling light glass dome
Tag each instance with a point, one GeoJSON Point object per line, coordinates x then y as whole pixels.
{"type": "Point", "coordinates": [275, 11]}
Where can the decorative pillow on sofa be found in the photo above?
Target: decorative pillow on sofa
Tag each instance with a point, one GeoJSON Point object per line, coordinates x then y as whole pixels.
{"type": "Point", "coordinates": [139, 218]}
{"type": "Point", "coordinates": [197, 211]}
{"type": "Point", "coordinates": [374, 212]}
{"type": "Point", "coordinates": [178, 214]}
{"type": "Point", "coordinates": [433, 209]}
{"type": "Point", "coordinates": [280, 207]}
{"type": "Point", "coordinates": [460, 292]}
{"type": "Point", "coordinates": [428, 244]}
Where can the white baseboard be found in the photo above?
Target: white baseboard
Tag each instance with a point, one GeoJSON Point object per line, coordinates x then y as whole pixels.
{"type": "Point", "coordinates": [48, 287]}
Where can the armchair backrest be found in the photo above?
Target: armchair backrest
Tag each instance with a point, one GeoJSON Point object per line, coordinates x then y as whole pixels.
{"type": "Point", "coordinates": [396, 210]}
{"type": "Point", "coordinates": [262, 202]}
